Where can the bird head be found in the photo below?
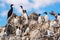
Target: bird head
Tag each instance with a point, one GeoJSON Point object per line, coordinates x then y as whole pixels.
{"type": "Point", "coordinates": [11, 5]}
{"type": "Point", "coordinates": [45, 13]}
{"type": "Point", "coordinates": [58, 13]}
{"type": "Point", "coordinates": [39, 14]}
{"type": "Point", "coordinates": [21, 7]}
{"type": "Point", "coordinates": [24, 11]}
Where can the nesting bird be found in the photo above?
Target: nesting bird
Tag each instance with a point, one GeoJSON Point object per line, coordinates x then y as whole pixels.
{"type": "Point", "coordinates": [46, 17]}
{"type": "Point", "coordinates": [24, 11]}
{"type": "Point", "coordinates": [58, 18]}
{"type": "Point", "coordinates": [40, 19]}
{"type": "Point", "coordinates": [24, 14]}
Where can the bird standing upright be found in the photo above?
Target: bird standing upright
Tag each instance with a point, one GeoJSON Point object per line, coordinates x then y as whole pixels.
{"type": "Point", "coordinates": [10, 11]}
{"type": "Point", "coordinates": [24, 14]}
{"type": "Point", "coordinates": [46, 17]}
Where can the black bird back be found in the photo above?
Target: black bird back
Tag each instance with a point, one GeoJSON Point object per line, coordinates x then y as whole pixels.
{"type": "Point", "coordinates": [10, 12]}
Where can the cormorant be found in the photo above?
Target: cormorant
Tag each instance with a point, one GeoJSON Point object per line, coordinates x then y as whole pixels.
{"type": "Point", "coordinates": [45, 13]}
{"type": "Point", "coordinates": [10, 11]}
{"type": "Point", "coordinates": [52, 13]}
{"type": "Point", "coordinates": [24, 11]}
{"type": "Point", "coordinates": [21, 7]}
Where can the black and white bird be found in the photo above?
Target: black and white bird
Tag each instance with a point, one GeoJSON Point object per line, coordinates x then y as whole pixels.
{"type": "Point", "coordinates": [58, 17]}
{"type": "Point", "coordinates": [24, 14]}
{"type": "Point", "coordinates": [10, 11]}
{"type": "Point", "coordinates": [53, 13]}
{"type": "Point", "coordinates": [23, 11]}
{"type": "Point", "coordinates": [46, 17]}
{"type": "Point", "coordinates": [45, 13]}
{"type": "Point", "coordinates": [21, 7]}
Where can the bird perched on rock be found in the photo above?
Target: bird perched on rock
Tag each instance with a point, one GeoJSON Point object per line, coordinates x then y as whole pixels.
{"type": "Point", "coordinates": [46, 17]}
{"type": "Point", "coordinates": [24, 14]}
{"type": "Point", "coordinates": [52, 13]}
{"type": "Point", "coordinates": [58, 18]}
{"type": "Point", "coordinates": [10, 11]}
{"type": "Point", "coordinates": [24, 11]}
{"type": "Point", "coordinates": [40, 19]}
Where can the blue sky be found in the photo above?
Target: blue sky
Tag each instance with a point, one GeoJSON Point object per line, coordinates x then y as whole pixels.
{"type": "Point", "coordinates": [38, 6]}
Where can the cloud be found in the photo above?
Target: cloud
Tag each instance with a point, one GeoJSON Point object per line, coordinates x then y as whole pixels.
{"type": "Point", "coordinates": [44, 3]}
{"type": "Point", "coordinates": [38, 11]}
{"type": "Point", "coordinates": [35, 4]}
{"type": "Point", "coordinates": [25, 3]}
